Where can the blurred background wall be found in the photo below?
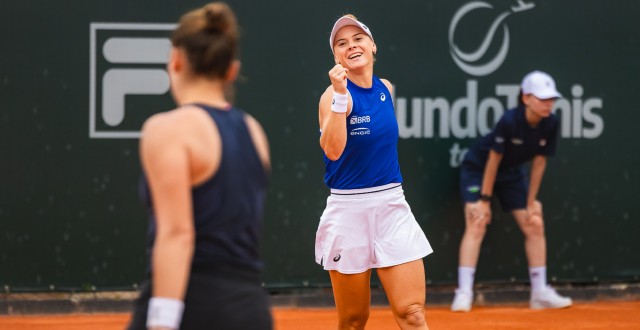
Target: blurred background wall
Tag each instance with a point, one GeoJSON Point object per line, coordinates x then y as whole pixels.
{"type": "Point", "coordinates": [74, 93]}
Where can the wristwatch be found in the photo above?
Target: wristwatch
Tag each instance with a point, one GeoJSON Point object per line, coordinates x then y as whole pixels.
{"type": "Point", "coordinates": [486, 198]}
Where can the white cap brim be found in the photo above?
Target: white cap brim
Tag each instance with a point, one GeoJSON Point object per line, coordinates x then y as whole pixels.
{"type": "Point", "coordinates": [346, 21]}
{"type": "Point", "coordinates": [547, 94]}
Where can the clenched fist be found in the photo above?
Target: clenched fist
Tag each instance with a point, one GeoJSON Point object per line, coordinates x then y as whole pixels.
{"type": "Point", "coordinates": [338, 76]}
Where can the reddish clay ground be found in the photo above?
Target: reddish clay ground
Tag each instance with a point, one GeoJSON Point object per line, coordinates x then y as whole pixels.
{"type": "Point", "coordinates": [595, 315]}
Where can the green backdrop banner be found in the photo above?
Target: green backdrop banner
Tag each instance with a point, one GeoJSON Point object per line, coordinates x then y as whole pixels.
{"type": "Point", "coordinates": [78, 78]}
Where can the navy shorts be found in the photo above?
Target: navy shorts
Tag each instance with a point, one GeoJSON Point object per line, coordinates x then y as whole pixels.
{"type": "Point", "coordinates": [511, 187]}
{"type": "Point", "coordinates": [230, 301]}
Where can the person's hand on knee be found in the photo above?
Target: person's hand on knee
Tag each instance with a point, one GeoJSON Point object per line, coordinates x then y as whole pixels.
{"type": "Point", "coordinates": [481, 212]}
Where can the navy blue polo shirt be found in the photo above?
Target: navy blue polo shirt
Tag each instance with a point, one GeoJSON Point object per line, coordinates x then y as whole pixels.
{"type": "Point", "coordinates": [516, 140]}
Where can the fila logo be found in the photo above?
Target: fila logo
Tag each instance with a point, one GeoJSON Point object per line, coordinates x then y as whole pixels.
{"type": "Point", "coordinates": [359, 120]}
{"type": "Point", "coordinates": [128, 79]}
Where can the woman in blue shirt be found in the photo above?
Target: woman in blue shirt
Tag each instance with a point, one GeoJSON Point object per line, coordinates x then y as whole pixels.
{"type": "Point", "coordinates": [367, 223]}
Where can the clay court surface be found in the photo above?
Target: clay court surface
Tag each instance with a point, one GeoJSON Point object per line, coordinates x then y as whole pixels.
{"type": "Point", "coordinates": [592, 315]}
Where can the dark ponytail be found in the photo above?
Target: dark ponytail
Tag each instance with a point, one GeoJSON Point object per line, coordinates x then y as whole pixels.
{"type": "Point", "coordinates": [520, 100]}
{"type": "Point", "coordinates": [209, 36]}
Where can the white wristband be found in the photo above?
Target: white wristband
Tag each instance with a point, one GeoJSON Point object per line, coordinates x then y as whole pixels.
{"type": "Point", "coordinates": [164, 312]}
{"type": "Point", "coordinates": [340, 102]}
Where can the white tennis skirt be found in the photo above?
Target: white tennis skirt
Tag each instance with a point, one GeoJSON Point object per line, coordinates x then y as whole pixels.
{"type": "Point", "coordinates": [368, 228]}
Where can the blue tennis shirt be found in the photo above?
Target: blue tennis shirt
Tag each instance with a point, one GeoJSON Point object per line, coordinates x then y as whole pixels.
{"type": "Point", "coordinates": [370, 157]}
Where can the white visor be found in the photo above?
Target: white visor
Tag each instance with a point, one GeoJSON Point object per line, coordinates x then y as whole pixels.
{"type": "Point", "coordinates": [344, 21]}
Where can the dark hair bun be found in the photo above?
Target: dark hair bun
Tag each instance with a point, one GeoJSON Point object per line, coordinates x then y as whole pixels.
{"type": "Point", "coordinates": [209, 36]}
{"type": "Point", "coordinates": [219, 19]}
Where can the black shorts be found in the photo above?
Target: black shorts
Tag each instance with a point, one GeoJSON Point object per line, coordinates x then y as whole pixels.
{"type": "Point", "coordinates": [226, 300]}
{"type": "Point", "coordinates": [511, 186]}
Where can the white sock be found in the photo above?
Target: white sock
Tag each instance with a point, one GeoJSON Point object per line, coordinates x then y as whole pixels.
{"type": "Point", "coordinates": [538, 276]}
{"type": "Point", "coordinates": [465, 278]}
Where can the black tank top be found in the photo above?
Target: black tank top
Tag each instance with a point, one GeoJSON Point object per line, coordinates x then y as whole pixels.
{"type": "Point", "coordinates": [227, 208]}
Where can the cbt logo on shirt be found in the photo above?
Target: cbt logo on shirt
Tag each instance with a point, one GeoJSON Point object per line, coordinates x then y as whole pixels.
{"type": "Point", "coordinates": [128, 78]}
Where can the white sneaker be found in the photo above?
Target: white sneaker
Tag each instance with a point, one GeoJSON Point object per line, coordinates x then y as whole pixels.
{"type": "Point", "coordinates": [548, 298]}
{"type": "Point", "coordinates": [462, 301]}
